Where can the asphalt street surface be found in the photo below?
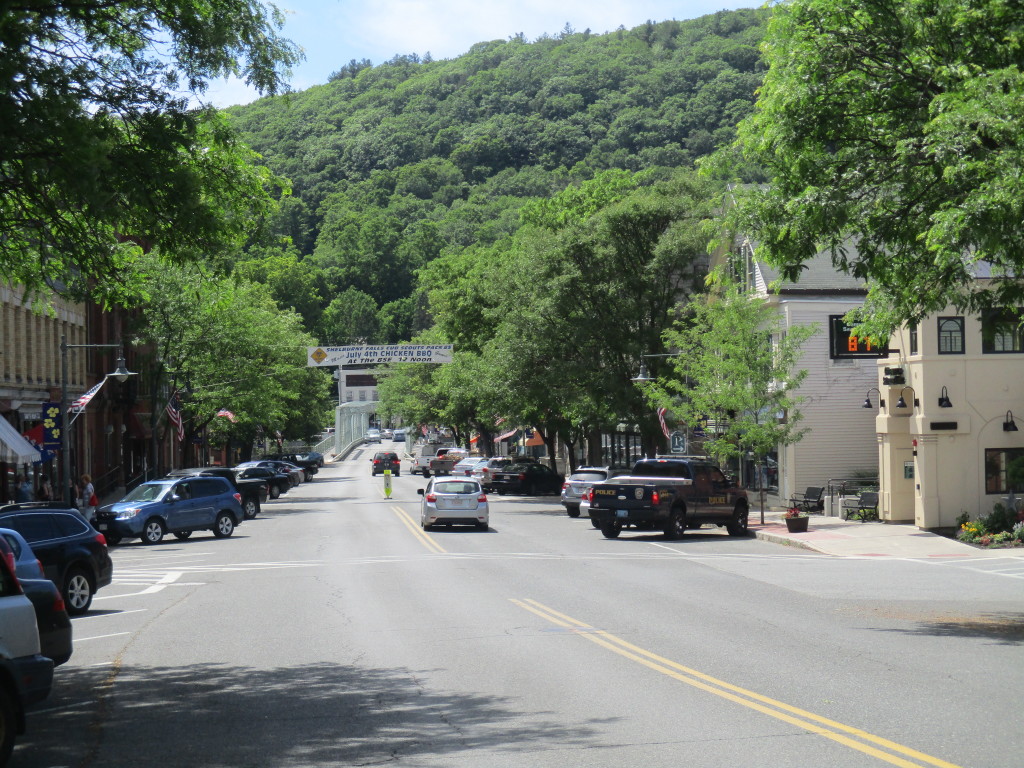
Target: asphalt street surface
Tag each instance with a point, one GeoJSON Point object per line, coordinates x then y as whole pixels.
{"type": "Point", "coordinates": [333, 631]}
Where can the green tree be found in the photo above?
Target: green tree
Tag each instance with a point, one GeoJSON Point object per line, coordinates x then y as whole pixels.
{"type": "Point", "coordinates": [734, 374]}
{"type": "Point", "coordinates": [891, 134]}
{"type": "Point", "coordinates": [102, 154]}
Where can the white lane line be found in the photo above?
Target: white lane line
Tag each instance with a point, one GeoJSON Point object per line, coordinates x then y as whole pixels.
{"type": "Point", "coordinates": [79, 619]}
{"type": "Point", "coordinates": [100, 637]}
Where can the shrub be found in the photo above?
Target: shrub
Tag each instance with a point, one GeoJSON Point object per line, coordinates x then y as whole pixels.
{"type": "Point", "coordinates": [971, 532]}
{"type": "Point", "coordinates": [1000, 519]}
{"type": "Point", "coordinates": [1018, 532]}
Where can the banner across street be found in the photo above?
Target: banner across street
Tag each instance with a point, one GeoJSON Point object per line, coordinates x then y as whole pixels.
{"type": "Point", "coordinates": [370, 354]}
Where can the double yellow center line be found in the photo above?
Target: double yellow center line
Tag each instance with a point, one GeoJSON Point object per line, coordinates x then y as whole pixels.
{"type": "Point", "coordinates": [425, 538]}
{"type": "Point", "coordinates": [848, 736]}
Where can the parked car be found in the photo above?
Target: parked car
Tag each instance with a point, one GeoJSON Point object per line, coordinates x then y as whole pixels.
{"type": "Point", "coordinates": [294, 474]}
{"type": "Point", "coordinates": [73, 554]}
{"type": "Point", "coordinates": [313, 456]}
{"type": "Point", "coordinates": [173, 505]}
{"type": "Point", "coordinates": [372, 436]}
{"type": "Point", "coordinates": [278, 481]}
{"type": "Point", "coordinates": [453, 501]}
{"type": "Point", "coordinates": [254, 490]}
{"type": "Point", "coordinates": [529, 479]}
{"type": "Point", "coordinates": [309, 466]}
{"type": "Point", "coordinates": [26, 676]}
{"type": "Point", "coordinates": [482, 472]}
{"type": "Point", "coordinates": [387, 434]}
{"type": "Point", "coordinates": [398, 435]}
{"type": "Point", "coordinates": [52, 618]}
{"type": "Point", "coordinates": [465, 467]}
{"type": "Point", "coordinates": [576, 486]}
{"type": "Point", "coordinates": [385, 460]}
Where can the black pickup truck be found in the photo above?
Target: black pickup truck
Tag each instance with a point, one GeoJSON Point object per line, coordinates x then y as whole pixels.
{"type": "Point", "coordinates": [670, 494]}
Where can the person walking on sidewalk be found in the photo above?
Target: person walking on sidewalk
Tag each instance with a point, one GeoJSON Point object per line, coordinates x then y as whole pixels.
{"type": "Point", "coordinates": [89, 500]}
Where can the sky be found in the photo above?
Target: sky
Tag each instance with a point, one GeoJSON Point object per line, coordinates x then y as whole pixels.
{"type": "Point", "coordinates": [333, 32]}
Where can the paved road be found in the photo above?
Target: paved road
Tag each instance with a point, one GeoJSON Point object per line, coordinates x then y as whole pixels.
{"type": "Point", "coordinates": [333, 631]}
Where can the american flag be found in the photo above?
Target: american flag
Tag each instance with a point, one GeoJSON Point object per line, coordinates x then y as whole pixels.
{"type": "Point", "coordinates": [661, 420]}
{"type": "Point", "coordinates": [83, 401]}
{"type": "Point", "coordinates": [173, 409]}
{"type": "Point", "coordinates": [227, 415]}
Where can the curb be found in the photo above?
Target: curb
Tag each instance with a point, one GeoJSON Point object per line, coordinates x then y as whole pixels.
{"type": "Point", "coordinates": [785, 541]}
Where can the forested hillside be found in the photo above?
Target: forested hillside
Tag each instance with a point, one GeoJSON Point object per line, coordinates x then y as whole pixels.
{"type": "Point", "coordinates": [397, 164]}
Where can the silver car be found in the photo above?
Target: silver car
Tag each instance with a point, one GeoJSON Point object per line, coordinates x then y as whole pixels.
{"type": "Point", "coordinates": [453, 501]}
{"type": "Point", "coordinates": [575, 488]}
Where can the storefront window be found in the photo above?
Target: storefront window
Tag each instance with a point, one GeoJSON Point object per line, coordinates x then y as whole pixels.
{"type": "Point", "coordinates": [1004, 470]}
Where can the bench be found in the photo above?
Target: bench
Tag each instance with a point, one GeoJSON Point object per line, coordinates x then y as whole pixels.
{"type": "Point", "coordinates": [865, 507]}
{"type": "Point", "coordinates": [809, 500]}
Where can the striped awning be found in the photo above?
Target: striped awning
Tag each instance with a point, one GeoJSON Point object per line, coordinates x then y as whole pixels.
{"type": "Point", "coordinates": [16, 446]}
{"type": "Point", "coordinates": [506, 435]}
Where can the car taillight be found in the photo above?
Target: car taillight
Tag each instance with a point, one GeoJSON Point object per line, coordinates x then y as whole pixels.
{"type": "Point", "coordinates": [431, 497]}
{"type": "Point", "coordinates": [654, 497]}
{"type": "Point", "coordinates": [58, 604]}
{"type": "Point", "coordinates": [101, 539]}
{"type": "Point", "coordinates": [42, 573]}
{"type": "Point", "coordinates": [522, 475]}
{"type": "Point", "coordinates": [589, 495]}
{"type": "Point", "coordinates": [564, 486]}
{"type": "Point", "coordinates": [238, 497]}
{"type": "Point", "coordinates": [482, 498]}
{"type": "Point", "coordinates": [9, 558]}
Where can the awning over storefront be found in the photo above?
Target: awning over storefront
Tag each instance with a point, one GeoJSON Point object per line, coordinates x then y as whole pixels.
{"type": "Point", "coordinates": [535, 440]}
{"type": "Point", "coordinates": [15, 447]}
{"type": "Point", "coordinates": [505, 435]}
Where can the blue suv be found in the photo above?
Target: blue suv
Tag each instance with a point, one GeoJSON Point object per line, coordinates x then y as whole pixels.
{"type": "Point", "coordinates": [178, 505]}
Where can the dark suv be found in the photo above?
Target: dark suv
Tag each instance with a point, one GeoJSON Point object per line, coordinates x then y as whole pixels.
{"type": "Point", "coordinates": [73, 554]}
{"type": "Point", "coordinates": [254, 490]}
{"type": "Point", "coordinates": [385, 460]}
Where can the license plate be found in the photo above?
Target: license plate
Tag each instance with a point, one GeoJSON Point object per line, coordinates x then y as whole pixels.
{"type": "Point", "coordinates": [103, 526]}
{"type": "Point", "coordinates": [716, 500]}
{"type": "Point", "coordinates": [457, 503]}
{"type": "Point", "coordinates": [622, 513]}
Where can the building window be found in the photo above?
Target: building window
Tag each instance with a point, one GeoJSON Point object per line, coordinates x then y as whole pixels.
{"type": "Point", "coordinates": [1004, 470]}
{"type": "Point", "coordinates": [951, 335]}
{"type": "Point", "coordinates": [1001, 331]}
{"type": "Point", "coordinates": [913, 339]}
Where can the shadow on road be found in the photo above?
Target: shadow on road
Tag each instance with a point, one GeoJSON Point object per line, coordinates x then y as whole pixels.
{"type": "Point", "coordinates": [317, 714]}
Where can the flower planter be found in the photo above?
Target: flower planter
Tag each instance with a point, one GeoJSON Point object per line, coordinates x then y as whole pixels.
{"type": "Point", "coordinates": [797, 524]}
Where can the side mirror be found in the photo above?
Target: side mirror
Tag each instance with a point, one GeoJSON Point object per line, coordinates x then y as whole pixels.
{"type": "Point", "coordinates": [419, 491]}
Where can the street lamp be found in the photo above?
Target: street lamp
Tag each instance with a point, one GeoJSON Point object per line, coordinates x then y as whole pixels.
{"type": "Point", "coordinates": [121, 373]}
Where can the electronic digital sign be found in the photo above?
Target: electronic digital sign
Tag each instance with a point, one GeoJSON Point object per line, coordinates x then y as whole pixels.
{"type": "Point", "coordinates": [843, 344]}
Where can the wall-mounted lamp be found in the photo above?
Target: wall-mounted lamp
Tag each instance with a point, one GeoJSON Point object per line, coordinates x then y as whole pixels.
{"type": "Point", "coordinates": [901, 403]}
{"type": "Point", "coordinates": [1009, 425]}
{"type": "Point", "coordinates": [867, 398]}
{"type": "Point", "coordinates": [944, 399]}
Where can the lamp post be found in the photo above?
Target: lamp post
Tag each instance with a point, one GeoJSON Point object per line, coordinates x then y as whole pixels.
{"type": "Point", "coordinates": [120, 373]}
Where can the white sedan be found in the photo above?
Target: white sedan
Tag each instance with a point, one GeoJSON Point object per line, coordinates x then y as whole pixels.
{"type": "Point", "coordinates": [451, 501]}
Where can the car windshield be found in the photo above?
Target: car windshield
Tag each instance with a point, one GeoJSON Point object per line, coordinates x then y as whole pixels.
{"type": "Point", "coordinates": [147, 492]}
{"type": "Point", "coordinates": [587, 477]}
{"type": "Point", "coordinates": [456, 487]}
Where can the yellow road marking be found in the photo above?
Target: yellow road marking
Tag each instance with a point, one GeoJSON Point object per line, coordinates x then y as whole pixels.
{"type": "Point", "coordinates": [424, 537]}
{"type": "Point", "coordinates": [809, 721]}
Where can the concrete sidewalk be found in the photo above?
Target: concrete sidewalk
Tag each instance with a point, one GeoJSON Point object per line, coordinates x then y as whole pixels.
{"type": "Point", "coordinates": [835, 536]}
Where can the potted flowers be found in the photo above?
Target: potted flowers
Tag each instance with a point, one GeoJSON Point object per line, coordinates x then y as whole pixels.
{"type": "Point", "coordinates": [796, 521]}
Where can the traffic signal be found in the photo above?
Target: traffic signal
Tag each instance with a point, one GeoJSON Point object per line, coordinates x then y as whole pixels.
{"type": "Point", "coordinates": [893, 377]}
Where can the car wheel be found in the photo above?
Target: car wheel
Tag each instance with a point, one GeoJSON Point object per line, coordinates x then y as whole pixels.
{"type": "Point", "coordinates": [112, 539]}
{"type": "Point", "coordinates": [427, 526]}
{"type": "Point", "coordinates": [594, 523]}
{"type": "Point", "coordinates": [573, 510]}
{"type": "Point", "coordinates": [398, 474]}
{"type": "Point", "coordinates": [223, 526]}
{"type": "Point", "coordinates": [738, 525]}
{"type": "Point", "coordinates": [77, 592]}
{"type": "Point", "coordinates": [251, 508]}
{"type": "Point", "coordinates": [611, 529]}
{"type": "Point", "coordinates": [153, 532]}
{"type": "Point", "coordinates": [8, 723]}
{"type": "Point", "coordinates": [275, 491]}
{"type": "Point", "coordinates": [675, 526]}
{"type": "Point", "coordinates": [182, 535]}
{"type": "Point", "coordinates": [426, 473]}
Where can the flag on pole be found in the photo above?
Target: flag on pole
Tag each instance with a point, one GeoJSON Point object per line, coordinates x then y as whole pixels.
{"type": "Point", "coordinates": [173, 409]}
{"type": "Point", "coordinates": [661, 420]}
{"type": "Point", "coordinates": [79, 404]}
{"type": "Point", "coordinates": [227, 415]}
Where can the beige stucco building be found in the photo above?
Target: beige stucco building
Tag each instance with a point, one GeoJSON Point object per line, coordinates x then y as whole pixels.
{"type": "Point", "coordinates": [948, 451]}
